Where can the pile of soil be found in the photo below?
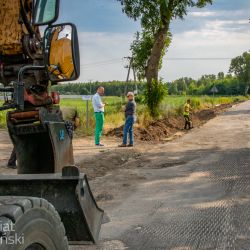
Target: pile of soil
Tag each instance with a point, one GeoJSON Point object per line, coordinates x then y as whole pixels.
{"type": "Point", "coordinates": [163, 128]}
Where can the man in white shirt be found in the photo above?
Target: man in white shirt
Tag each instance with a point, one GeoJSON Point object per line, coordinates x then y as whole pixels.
{"type": "Point", "coordinates": [98, 106]}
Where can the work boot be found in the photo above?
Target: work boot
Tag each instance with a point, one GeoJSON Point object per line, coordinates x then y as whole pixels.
{"type": "Point", "coordinates": [122, 145]}
{"type": "Point", "coordinates": [130, 145]}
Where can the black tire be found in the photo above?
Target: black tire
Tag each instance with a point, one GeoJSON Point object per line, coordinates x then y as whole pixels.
{"type": "Point", "coordinates": [32, 223]}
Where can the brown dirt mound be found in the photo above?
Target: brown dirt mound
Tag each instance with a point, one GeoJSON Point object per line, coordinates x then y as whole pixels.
{"type": "Point", "coordinates": [163, 128]}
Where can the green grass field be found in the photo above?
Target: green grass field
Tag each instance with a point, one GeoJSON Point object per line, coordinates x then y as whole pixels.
{"type": "Point", "coordinates": [114, 117]}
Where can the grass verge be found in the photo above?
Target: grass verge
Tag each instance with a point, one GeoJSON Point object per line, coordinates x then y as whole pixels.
{"type": "Point", "coordinates": [114, 117]}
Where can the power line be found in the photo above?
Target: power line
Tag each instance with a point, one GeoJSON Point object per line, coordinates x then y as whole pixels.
{"type": "Point", "coordinates": [97, 65]}
{"type": "Point", "coordinates": [197, 58]}
{"type": "Point", "coordinates": [117, 60]}
{"type": "Point", "coordinates": [101, 62]}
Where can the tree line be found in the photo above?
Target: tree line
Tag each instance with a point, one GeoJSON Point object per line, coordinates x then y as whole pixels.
{"type": "Point", "coordinates": [225, 85]}
{"type": "Point", "coordinates": [236, 82]}
{"type": "Point", "coordinates": [114, 88]}
{"type": "Point", "coordinates": [208, 85]}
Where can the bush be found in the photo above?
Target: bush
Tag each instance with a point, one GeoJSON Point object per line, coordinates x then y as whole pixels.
{"type": "Point", "coordinates": [139, 99]}
{"type": "Point", "coordinates": [196, 103]}
{"type": "Point", "coordinates": [153, 96]}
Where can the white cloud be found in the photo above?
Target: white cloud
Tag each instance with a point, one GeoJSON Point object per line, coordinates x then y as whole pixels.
{"type": "Point", "coordinates": [222, 13]}
{"type": "Point", "coordinates": [204, 43]}
{"type": "Point", "coordinates": [102, 55]}
{"type": "Point", "coordinates": [223, 24]}
{"type": "Point", "coordinates": [203, 13]}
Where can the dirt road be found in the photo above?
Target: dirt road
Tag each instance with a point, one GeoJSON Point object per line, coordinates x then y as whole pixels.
{"type": "Point", "coordinates": [190, 193]}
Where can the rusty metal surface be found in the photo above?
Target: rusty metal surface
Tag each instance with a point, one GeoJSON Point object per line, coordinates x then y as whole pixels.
{"type": "Point", "coordinates": [25, 115]}
{"type": "Point", "coordinates": [11, 31]}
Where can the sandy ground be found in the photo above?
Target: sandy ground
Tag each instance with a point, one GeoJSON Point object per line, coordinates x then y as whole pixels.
{"type": "Point", "coordinates": [139, 187]}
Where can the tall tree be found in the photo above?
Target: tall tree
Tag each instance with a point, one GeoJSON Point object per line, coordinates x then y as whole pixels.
{"type": "Point", "coordinates": [172, 89]}
{"type": "Point", "coordinates": [240, 66]}
{"type": "Point", "coordinates": [181, 85]}
{"type": "Point", "coordinates": [221, 76]}
{"type": "Point", "coordinates": [155, 17]}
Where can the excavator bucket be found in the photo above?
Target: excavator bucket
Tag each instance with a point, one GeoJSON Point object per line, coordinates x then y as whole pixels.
{"type": "Point", "coordinates": [69, 193]}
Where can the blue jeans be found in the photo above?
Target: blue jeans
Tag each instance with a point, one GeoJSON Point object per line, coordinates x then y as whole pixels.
{"type": "Point", "coordinates": [128, 129]}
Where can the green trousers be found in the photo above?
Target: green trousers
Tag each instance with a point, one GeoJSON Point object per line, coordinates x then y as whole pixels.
{"type": "Point", "coordinates": [99, 122]}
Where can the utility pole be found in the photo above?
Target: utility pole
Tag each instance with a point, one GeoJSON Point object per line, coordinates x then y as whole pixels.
{"type": "Point", "coordinates": [130, 59]}
{"type": "Point", "coordinates": [135, 80]}
{"type": "Point", "coordinates": [90, 87]}
{"type": "Point", "coordinates": [134, 74]}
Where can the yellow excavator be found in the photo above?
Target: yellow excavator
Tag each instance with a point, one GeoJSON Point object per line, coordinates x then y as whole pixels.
{"type": "Point", "coordinates": [49, 203]}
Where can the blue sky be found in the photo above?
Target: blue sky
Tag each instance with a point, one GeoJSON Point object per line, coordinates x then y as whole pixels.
{"type": "Point", "coordinates": [105, 33]}
{"type": "Point", "coordinates": [97, 16]}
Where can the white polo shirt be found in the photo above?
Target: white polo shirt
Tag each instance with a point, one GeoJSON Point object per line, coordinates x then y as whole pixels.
{"type": "Point", "coordinates": [97, 103]}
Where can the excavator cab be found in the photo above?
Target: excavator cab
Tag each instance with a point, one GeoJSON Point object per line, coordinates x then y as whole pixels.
{"type": "Point", "coordinates": [48, 183]}
{"type": "Point", "coordinates": [45, 12]}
